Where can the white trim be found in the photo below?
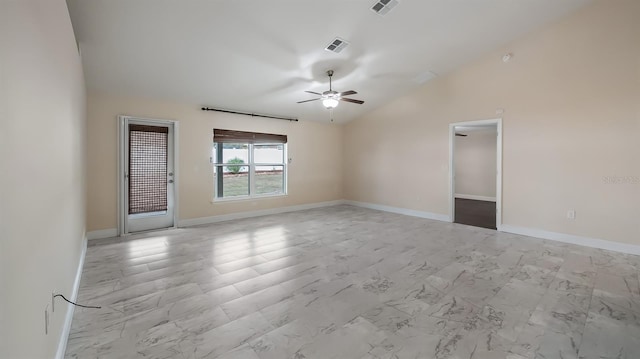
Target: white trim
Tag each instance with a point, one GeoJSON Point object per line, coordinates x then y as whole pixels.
{"type": "Point", "coordinates": [176, 172]}
{"type": "Point", "coordinates": [121, 123]}
{"type": "Point", "coordinates": [531, 232]}
{"type": "Point", "coordinates": [66, 329]}
{"type": "Point", "coordinates": [477, 198]}
{"type": "Point", "coordinates": [251, 214]}
{"type": "Point", "coordinates": [398, 210]}
{"type": "Point", "coordinates": [573, 239]}
{"type": "Point", "coordinates": [452, 181]}
{"type": "Point", "coordinates": [102, 233]}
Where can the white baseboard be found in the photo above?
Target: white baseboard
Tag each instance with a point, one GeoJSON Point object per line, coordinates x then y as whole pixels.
{"type": "Point", "coordinates": [113, 232]}
{"type": "Point", "coordinates": [477, 198]}
{"type": "Point", "coordinates": [64, 336]}
{"type": "Point", "coordinates": [573, 239]}
{"type": "Point", "coordinates": [532, 232]}
{"type": "Point", "coordinates": [102, 233]}
{"type": "Point", "coordinates": [398, 210]}
{"type": "Point", "coordinates": [250, 214]}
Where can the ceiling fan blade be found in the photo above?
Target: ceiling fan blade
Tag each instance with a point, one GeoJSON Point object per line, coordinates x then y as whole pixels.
{"type": "Point", "coordinates": [313, 99]}
{"type": "Point", "coordinates": [347, 93]}
{"type": "Point", "coordinates": [315, 93]}
{"type": "Point", "coordinates": [359, 102]}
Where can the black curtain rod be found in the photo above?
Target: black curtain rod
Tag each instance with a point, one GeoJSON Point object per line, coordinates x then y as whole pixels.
{"type": "Point", "coordinates": [248, 114]}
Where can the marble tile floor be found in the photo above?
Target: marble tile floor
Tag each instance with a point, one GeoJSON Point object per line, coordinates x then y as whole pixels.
{"type": "Point", "coordinates": [348, 282]}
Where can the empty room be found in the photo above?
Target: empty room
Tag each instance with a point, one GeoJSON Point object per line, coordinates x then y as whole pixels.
{"type": "Point", "coordinates": [359, 179]}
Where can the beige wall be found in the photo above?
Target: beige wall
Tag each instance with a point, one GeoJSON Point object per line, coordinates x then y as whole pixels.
{"type": "Point", "coordinates": [475, 163]}
{"type": "Point", "coordinates": [42, 210]}
{"type": "Point", "coordinates": [571, 96]}
{"type": "Point", "coordinates": [315, 174]}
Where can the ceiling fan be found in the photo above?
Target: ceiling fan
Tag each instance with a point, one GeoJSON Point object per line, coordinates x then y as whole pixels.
{"type": "Point", "coordinates": [331, 99]}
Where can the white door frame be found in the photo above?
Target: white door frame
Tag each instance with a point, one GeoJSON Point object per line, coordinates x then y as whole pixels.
{"type": "Point", "coordinates": [452, 181]}
{"type": "Point", "coordinates": [123, 122]}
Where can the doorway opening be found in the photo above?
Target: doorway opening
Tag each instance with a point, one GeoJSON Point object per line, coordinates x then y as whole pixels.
{"type": "Point", "coordinates": [147, 175]}
{"type": "Point", "coordinates": [475, 173]}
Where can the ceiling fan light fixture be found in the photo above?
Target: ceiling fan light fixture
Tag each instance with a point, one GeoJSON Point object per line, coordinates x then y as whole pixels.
{"type": "Point", "coordinates": [330, 99]}
{"type": "Point", "coordinates": [330, 102]}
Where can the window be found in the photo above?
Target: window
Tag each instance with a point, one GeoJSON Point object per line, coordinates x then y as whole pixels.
{"type": "Point", "coordinates": [248, 164]}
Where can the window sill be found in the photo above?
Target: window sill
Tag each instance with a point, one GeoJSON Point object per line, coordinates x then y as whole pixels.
{"type": "Point", "coordinates": [246, 198]}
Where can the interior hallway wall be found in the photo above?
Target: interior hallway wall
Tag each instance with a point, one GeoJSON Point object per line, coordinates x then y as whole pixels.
{"type": "Point", "coordinates": [42, 189]}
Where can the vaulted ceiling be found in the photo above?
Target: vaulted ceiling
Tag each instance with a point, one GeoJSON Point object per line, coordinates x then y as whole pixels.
{"type": "Point", "coordinates": [260, 56]}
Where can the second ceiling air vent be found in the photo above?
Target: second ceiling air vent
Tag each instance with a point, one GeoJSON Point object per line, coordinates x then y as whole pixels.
{"type": "Point", "coordinates": [382, 7]}
{"type": "Point", "coordinates": [337, 45]}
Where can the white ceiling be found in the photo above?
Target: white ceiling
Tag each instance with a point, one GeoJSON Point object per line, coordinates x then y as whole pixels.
{"type": "Point", "coordinates": [260, 56]}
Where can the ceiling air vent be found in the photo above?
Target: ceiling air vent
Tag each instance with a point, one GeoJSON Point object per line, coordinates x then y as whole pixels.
{"type": "Point", "coordinates": [337, 45]}
{"type": "Point", "coordinates": [382, 7]}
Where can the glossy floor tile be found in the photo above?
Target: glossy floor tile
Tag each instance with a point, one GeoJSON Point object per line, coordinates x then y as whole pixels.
{"type": "Point", "coordinates": [347, 282]}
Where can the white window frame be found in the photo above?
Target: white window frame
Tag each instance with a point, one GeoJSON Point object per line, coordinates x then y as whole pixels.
{"type": "Point", "coordinates": [252, 175]}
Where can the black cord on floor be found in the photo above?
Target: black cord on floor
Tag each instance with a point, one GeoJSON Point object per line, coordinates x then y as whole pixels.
{"type": "Point", "coordinates": [76, 304]}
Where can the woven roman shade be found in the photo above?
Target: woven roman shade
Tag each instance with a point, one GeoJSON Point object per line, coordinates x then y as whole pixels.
{"type": "Point", "coordinates": [147, 168]}
{"type": "Point", "coordinates": [229, 136]}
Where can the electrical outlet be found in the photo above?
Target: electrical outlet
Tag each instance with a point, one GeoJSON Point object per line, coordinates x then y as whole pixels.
{"type": "Point", "coordinates": [571, 214]}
